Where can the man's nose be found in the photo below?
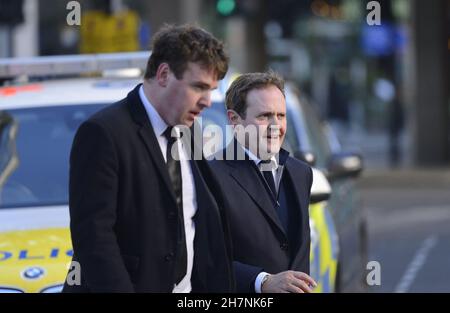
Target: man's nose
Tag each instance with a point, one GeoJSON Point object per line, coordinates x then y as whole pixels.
{"type": "Point", "coordinates": [205, 101]}
{"type": "Point", "coordinates": [275, 120]}
{"type": "Point", "coordinates": [274, 124]}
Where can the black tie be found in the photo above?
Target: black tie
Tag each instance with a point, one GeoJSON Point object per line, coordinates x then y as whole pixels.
{"type": "Point", "coordinates": [174, 168]}
{"type": "Point", "coordinates": [268, 176]}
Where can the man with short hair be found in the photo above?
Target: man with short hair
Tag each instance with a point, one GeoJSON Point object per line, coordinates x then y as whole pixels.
{"type": "Point", "coordinates": [266, 192]}
{"type": "Point", "coordinates": [142, 216]}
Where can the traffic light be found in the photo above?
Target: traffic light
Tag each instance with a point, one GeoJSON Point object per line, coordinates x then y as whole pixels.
{"type": "Point", "coordinates": [244, 8]}
{"type": "Point", "coordinates": [226, 8]}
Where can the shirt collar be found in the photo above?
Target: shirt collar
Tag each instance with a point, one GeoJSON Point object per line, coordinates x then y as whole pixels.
{"type": "Point", "coordinates": [254, 158]}
{"type": "Point", "coordinates": [158, 124]}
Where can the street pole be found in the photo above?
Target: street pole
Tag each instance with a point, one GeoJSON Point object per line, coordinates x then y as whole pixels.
{"type": "Point", "coordinates": [430, 83]}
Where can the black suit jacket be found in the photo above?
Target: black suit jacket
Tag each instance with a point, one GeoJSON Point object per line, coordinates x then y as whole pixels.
{"type": "Point", "coordinates": [258, 238]}
{"type": "Point", "coordinates": [123, 209]}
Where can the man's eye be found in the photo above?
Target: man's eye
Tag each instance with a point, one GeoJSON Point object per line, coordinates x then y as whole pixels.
{"type": "Point", "coordinates": [199, 88]}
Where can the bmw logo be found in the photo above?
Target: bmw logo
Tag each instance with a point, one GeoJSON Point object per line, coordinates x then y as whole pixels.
{"type": "Point", "coordinates": [33, 273]}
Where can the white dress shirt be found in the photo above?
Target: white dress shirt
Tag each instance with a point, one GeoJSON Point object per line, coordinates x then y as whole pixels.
{"type": "Point", "coordinates": [277, 172]}
{"type": "Point", "coordinates": [188, 188]}
{"type": "Point", "coordinates": [274, 166]}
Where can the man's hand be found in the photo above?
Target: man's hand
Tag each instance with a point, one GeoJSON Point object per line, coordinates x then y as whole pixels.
{"type": "Point", "coordinates": [289, 282]}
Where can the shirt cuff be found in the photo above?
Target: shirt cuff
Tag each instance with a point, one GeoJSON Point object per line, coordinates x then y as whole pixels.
{"type": "Point", "coordinates": [258, 281]}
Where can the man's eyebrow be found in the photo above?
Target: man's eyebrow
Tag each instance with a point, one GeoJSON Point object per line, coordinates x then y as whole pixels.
{"type": "Point", "coordinates": [271, 113]}
{"type": "Point", "coordinates": [266, 113]}
{"type": "Point", "coordinates": [202, 85]}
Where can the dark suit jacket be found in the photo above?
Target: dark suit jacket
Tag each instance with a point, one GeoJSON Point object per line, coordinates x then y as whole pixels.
{"type": "Point", "coordinates": [259, 241]}
{"type": "Point", "coordinates": [123, 209]}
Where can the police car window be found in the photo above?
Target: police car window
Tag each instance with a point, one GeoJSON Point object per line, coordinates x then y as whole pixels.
{"type": "Point", "coordinates": [291, 142]}
{"type": "Point", "coordinates": [318, 140]}
{"type": "Point", "coordinates": [297, 135]}
{"type": "Point", "coordinates": [42, 146]}
{"type": "Point", "coordinates": [8, 155]}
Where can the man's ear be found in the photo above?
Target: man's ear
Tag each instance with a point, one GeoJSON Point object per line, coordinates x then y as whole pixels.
{"type": "Point", "coordinates": [233, 117]}
{"type": "Point", "coordinates": [162, 74]}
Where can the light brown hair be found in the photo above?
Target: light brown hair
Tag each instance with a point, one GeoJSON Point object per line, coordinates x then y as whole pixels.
{"type": "Point", "coordinates": [236, 96]}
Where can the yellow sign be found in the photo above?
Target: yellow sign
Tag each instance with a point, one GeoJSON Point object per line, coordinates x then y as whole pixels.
{"type": "Point", "coordinates": [102, 33]}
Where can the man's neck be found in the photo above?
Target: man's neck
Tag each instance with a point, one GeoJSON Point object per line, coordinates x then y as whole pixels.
{"type": "Point", "coordinates": [152, 96]}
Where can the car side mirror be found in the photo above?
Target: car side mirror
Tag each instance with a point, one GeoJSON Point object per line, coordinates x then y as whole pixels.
{"type": "Point", "coordinates": [320, 189]}
{"type": "Point", "coordinates": [305, 156]}
{"type": "Point", "coordinates": [345, 165]}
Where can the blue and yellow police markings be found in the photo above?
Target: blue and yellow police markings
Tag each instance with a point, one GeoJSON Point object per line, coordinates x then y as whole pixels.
{"type": "Point", "coordinates": [34, 260]}
{"type": "Point", "coordinates": [37, 260]}
{"type": "Point", "coordinates": [324, 248]}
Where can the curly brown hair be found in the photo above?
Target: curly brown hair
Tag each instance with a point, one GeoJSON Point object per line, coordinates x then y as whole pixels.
{"type": "Point", "coordinates": [236, 96]}
{"type": "Point", "coordinates": [179, 45]}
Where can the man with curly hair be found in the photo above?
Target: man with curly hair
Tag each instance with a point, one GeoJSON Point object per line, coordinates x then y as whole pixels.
{"type": "Point", "coordinates": [142, 217]}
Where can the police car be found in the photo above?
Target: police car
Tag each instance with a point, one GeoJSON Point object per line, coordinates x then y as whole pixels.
{"type": "Point", "coordinates": [38, 120]}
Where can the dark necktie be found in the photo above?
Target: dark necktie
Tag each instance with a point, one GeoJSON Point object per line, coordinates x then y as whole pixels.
{"type": "Point", "coordinates": [174, 169]}
{"type": "Point", "coordinates": [268, 176]}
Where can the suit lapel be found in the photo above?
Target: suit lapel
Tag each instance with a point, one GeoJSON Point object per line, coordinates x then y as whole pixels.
{"type": "Point", "coordinates": [211, 225]}
{"type": "Point", "coordinates": [201, 236]}
{"type": "Point", "coordinates": [296, 184]}
{"type": "Point", "coordinates": [147, 135]}
{"type": "Point", "coordinates": [246, 176]}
